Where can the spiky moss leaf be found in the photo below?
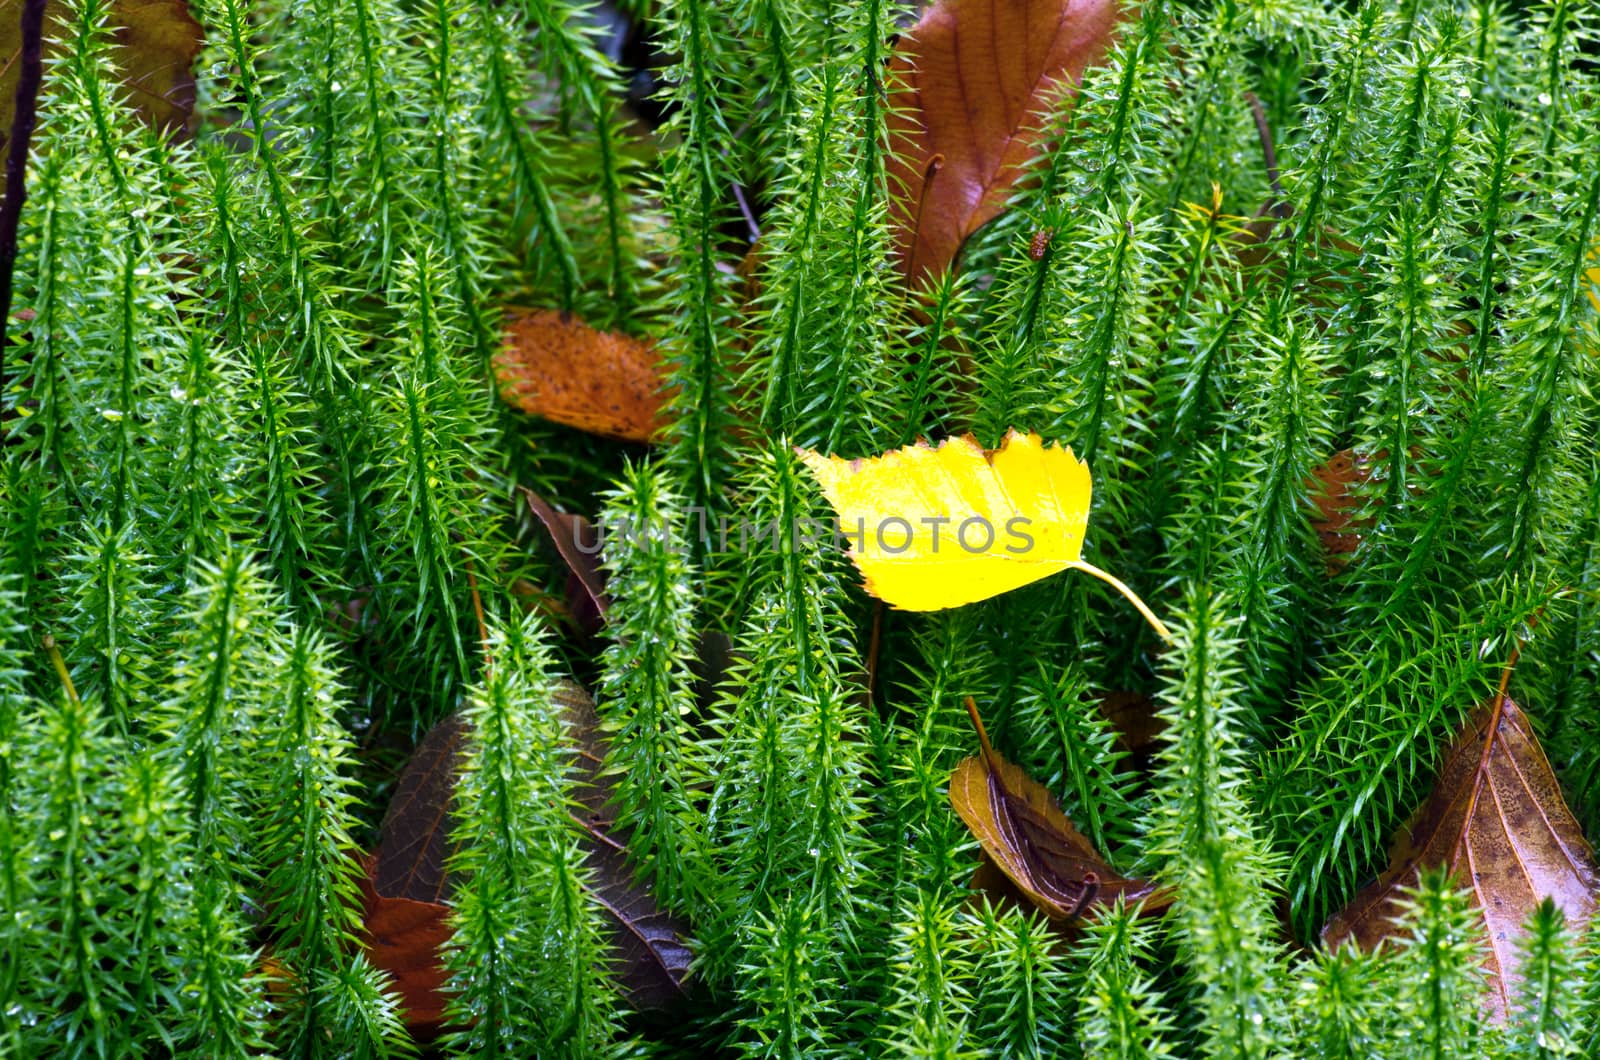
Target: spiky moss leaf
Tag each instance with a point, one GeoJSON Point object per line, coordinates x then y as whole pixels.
{"type": "Point", "coordinates": [1347, 1003]}
{"type": "Point", "coordinates": [646, 690]}
{"type": "Point", "coordinates": [789, 763]}
{"type": "Point", "coordinates": [13, 702]}
{"type": "Point", "coordinates": [1021, 991]}
{"type": "Point", "coordinates": [1205, 831]}
{"type": "Point", "coordinates": [430, 489]}
{"type": "Point", "coordinates": [528, 949]}
{"type": "Point", "coordinates": [1120, 1008]}
{"type": "Point", "coordinates": [1444, 980]}
{"type": "Point", "coordinates": [310, 862]}
{"type": "Point", "coordinates": [1546, 1023]}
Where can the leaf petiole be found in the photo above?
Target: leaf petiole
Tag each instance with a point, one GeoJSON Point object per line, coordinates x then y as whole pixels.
{"type": "Point", "coordinates": [1133, 597]}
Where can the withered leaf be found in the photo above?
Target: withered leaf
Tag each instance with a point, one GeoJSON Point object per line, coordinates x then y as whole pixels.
{"type": "Point", "coordinates": [652, 960]}
{"type": "Point", "coordinates": [555, 366]}
{"type": "Point", "coordinates": [154, 44]}
{"type": "Point", "coordinates": [1510, 838]}
{"type": "Point", "coordinates": [1022, 829]}
{"type": "Point", "coordinates": [406, 887]}
{"type": "Point", "coordinates": [1332, 488]}
{"type": "Point", "coordinates": [978, 77]}
{"type": "Point", "coordinates": [586, 584]}
{"type": "Point", "coordinates": [404, 937]}
{"type": "Point", "coordinates": [414, 843]}
{"type": "Point", "coordinates": [1137, 723]}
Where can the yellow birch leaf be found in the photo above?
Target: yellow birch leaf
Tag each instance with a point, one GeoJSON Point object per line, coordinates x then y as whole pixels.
{"type": "Point", "coordinates": [937, 527]}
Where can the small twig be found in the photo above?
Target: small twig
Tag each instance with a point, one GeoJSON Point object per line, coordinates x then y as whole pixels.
{"type": "Point", "coordinates": [992, 759]}
{"type": "Point", "coordinates": [749, 215]}
{"type": "Point", "coordinates": [48, 643]}
{"type": "Point", "coordinates": [477, 609]}
{"type": "Point", "coordinates": [1488, 742]}
{"type": "Point", "coordinates": [873, 645]}
{"type": "Point", "coordinates": [30, 73]}
{"type": "Point", "coordinates": [1279, 205]}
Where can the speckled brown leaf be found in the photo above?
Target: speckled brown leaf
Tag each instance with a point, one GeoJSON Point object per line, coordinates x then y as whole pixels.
{"type": "Point", "coordinates": [1513, 844]}
{"type": "Point", "coordinates": [1022, 829]}
{"type": "Point", "coordinates": [973, 81]}
{"type": "Point", "coordinates": [155, 43]}
{"type": "Point", "coordinates": [555, 366]}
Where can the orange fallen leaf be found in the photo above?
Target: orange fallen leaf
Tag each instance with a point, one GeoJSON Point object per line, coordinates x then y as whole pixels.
{"type": "Point", "coordinates": [933, 528]}
{"type": "Point", "coordinates": [1028, 838]}
{"type": "Point", "coordinates": [1332, 487]}
{"type": "Point", "coordinates": [555, 366]}
{"type": "Point", "coordinates": [154, 44]}
{"type": "Point", "coordinates": [404, 937]}
{"type": "Point", "coordinates": [1509, 837]}
{"type": "Point", "coordinates": [979, 78]}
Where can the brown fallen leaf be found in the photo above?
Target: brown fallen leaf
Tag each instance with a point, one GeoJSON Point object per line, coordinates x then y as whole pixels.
{"type": "Point", "coordinates": [576, 541]}
{"type": "Point", "coordinates": [1332, 488]}
{"type": "Point", "coordinates": [650, 957]}
{"type": "Point", "coordinates": [555, 366]}
{"type": "Point", "coordinates": [1137, 723]}
{"type": "Point", "coordinates": [405, 889]}
{"type": "Point", "coordinates": [406, 886]}
{"type": "Point", "coordinates": [154, 45]}
{"type": "Point", "coordinates": [1497, 822]}
{"type": "Point", "coordinates": [414, 847]}
{"type": "Point", "coordinates": [978, 77]}
{"type": "Point", "coordinates": [403, 937]}
{"type": "Point", "coordinates": [1022, 829]}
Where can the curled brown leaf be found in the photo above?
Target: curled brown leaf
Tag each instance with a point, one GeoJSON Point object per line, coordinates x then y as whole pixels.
{"type": "Point", "coordinates": [1023, 831]}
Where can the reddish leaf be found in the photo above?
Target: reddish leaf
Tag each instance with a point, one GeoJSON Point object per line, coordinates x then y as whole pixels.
{"type": "Point", "coordinates": [1022, 829]}
{"type": "Point", "coordinates": [1332, 487]}
{"type": "Point", "coordinates": [403, 937]}
{"type": "Point", "coordinates": [1509, 837]}
{"type": "Point", "coordinates": [979, 76]}
{"type": "Point", "coordinates": [553, 365]}
{"type": "Point", "coordinates": [154, 44]}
